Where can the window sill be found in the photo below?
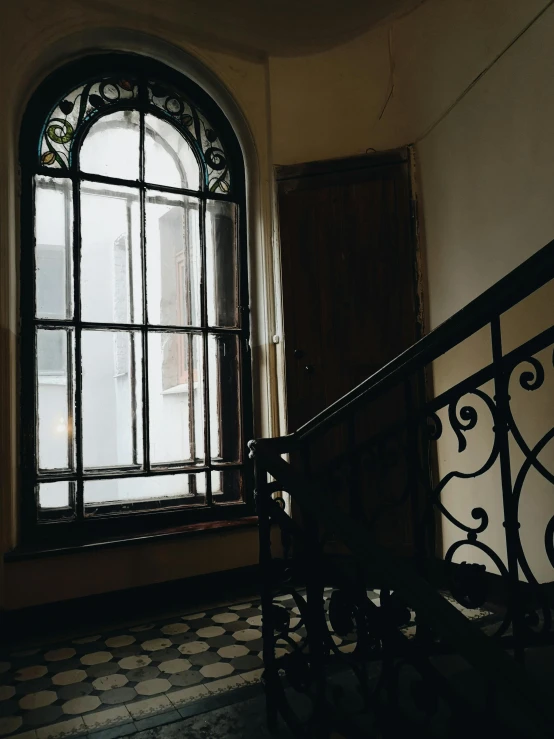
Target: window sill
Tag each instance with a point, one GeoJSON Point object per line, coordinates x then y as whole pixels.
{"type": "Point", "coordinates": [25, 553]}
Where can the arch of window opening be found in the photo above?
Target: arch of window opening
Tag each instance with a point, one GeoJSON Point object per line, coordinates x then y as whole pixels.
{"type": "Point", "coordinates": [138, 333]}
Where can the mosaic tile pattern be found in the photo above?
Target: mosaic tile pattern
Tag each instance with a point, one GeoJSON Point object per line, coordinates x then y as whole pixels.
{"type": "Point", "coordinates": [102, 680]}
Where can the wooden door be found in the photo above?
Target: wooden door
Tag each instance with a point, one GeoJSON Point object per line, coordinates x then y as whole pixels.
{"type": "Point", "coordinates": [349, 282]}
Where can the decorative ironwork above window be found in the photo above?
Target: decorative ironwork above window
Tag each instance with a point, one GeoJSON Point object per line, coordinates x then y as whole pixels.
{"type": "Point", "coordinates": [77, 109]}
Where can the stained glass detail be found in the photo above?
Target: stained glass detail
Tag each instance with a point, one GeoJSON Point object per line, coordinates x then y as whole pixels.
{"type": "Point", "coordinates": [191, 119]}
{"type": "Point", "coordinates": [94, 98]}
{"type": "Point", "coordinates": [75, 109]}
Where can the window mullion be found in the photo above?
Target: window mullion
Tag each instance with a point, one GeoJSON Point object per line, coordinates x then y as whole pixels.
{"type": "Point", "coordinates": [144, 330]}
{"type": "Point", "coordinates": [204, 316]}
{"type": "Point", "coordinates": [78, 416]}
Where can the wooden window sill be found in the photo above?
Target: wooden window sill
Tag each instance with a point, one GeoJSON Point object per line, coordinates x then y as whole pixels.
{"type": "Point", "coordinates": [24, 553]}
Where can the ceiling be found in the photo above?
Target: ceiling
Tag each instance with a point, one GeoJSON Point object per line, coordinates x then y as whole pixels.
{"type": "Point", "coordinates": [278, 28]}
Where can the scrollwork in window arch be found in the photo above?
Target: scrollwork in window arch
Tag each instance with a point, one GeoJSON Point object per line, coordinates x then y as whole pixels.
{"type": "Point", "coordinates": [93, 98]}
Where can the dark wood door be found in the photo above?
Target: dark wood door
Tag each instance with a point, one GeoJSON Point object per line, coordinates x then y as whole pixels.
{"type": "Point", "coordinates": [349, 282]}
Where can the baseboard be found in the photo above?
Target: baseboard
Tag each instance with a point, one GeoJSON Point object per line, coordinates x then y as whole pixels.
{"type": "Point", "coordinates": [96, 611]}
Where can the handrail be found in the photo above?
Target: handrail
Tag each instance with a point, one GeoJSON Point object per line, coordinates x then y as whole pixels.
{"type": "Point", "coordinates": [503, 295]}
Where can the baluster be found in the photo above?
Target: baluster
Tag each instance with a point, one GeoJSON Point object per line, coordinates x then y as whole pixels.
{"type": "Point", "coordinates": [266, 573]}
{"type": "Point", "coordinates": [315, 610]}
{"type": "Point", "coordinates": [511, 525]}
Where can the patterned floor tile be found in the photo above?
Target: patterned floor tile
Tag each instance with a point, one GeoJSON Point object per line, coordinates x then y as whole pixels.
{"type": "Point", "coordinates": [131, 673]}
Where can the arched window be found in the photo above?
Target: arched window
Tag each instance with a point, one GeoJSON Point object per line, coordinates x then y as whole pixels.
{"type": "Point", "coordinates": [135, 365]}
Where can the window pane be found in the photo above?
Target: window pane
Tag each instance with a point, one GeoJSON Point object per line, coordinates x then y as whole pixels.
{"type": "Point", "coordinates": [111, 290]}
{"type": "Point", "coordinates": [169, 159]}
{"type": "Point", "coordinates": [112, 398]}
{"type": "Point", "coordinates": [53, 494]}
{"type": "Point", "coordinates": [53, 236]}
{"type": "Point", "coordinates": [227, 486]}
{"type": "Point", "coordinates": [221, 263]}
{"type": "Point", "coordinates": [176, 398]}
{"type": "Point", "coordinates": [111, 147]}
{"type": "Point", "coordinates": [54, 422]}
{"type": "Point", "coordinates": [136, 489]}
{"type": "Point", "coordinates": [173, 260]}
{"type": "Point", "coordinates": [223, 373]}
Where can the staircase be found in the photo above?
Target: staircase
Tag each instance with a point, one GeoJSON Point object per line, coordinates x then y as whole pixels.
{"type": "Point", "coordinates": [396, 672]}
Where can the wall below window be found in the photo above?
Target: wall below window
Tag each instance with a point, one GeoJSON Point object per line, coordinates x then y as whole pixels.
{"type": "Point", "coordinates": [93, 571]}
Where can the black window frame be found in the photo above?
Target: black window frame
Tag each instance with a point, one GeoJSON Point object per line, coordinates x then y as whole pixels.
{"type": "Point", "coordinates": [70, 527]}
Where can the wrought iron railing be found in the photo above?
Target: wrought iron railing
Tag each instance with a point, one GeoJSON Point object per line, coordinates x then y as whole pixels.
{"type": "Point", "coordinates": [368, 486]}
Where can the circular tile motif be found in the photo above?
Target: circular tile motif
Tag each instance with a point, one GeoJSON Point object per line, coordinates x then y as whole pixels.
{"type": "Point", "coordinates": [247, 662]}
{"type": "Point", "coordinates": [96, 658]}
{"type": "Point", "coordinates": [221, 641]}
{"type": "Point", "coordinates": [255, 620]}
{"type": "Point", "coordinates": [57, 655]}
{"type": "Point", "coordinates": [107, 668]}
{"type": "Point", "coordinates": [38, 700]}
{"type": "Point", "coordinates": [133, 663]}
{"type": "Point", "coordinates": [6, 692]}
{"type": "Point", "coordinates": [153, 645]}
{"type": "Point", "coordinates": [10, 724]}
{"type": "Point", "coordinates": [209, 631]}
{"type": "Point", "coordinates": [185, 679]}
{"type": "Point", "coordinates": [153, 687]}
{"type": "Point", "coordinates": [118, 695]}
{"type": "Point", "coordinates": [77, 690]}
{"type": "Point", "coordinates": [143, 673]}
{"type": "Point", "coordinates": [219, 669]}
{"type": "Point", "coordinates": [171, 629]}
{"type": "Point", "coordinates": [120, 641]}
{"type": "Point", "coordinates": [110, 681]}
{"type": "Point", "coordinates": [173, 666]}
{"type": "Point", "coordinates": [194, 647]}
{"type": "Point", "coordinates": [81, 705]}
{"type": "Point", "coordinates": [206, 658]}
{"type": "Point", "coordinates": [225, 618]}
{"type": "Point", "coordinates": [247, 634]}
{"type": "Point", "coordinates": [31, 673]}
{"type": "Point", "coordinates": [240, 606]}
{"type": "Point", "coordinates": [236, 650]}
{"type": "Point", "coordinates": [33, 686]}
{"type": "Point", "coordinates": [194, 617]}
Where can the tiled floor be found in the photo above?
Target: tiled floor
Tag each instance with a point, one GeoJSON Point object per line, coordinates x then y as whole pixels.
{"type": "Point", "coordinates": [124, 676]}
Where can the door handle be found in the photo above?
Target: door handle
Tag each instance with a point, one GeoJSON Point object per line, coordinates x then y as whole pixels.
{"type": "Point", "coordinates": [310, 369]}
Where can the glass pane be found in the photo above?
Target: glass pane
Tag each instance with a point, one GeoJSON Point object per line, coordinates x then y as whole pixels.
{"type": "Point", "coordinates": [53, 235]}
{"type": "Point", "coordinates": [223, 373]}
{"type": "Point", "coordinates": [54, 419]}
{"type": "Point", "coordinates": [111, 290]}
{"type": "Point", "coordinates": [111, 147]}
{"type": "Point", "coordinates": [136, 489]}
{"type": "Point", "coordinates": [169, 159]}
{"type": "Point", "coordinates": [173, 260]}
{"type": "Point", "coordinates": [221, 263]}
{"type": "Point", "coordinates": [176, 398]}
{"type": "Point", "coordinates": [227, 486]}
{"type": "Point", "coordinates": [112, 398]}
{"type": "Point", "coordinates": [53, 494]}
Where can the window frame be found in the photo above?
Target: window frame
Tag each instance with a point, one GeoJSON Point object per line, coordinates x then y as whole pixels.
{"type": "Point", "coordinates": [81, 526]}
